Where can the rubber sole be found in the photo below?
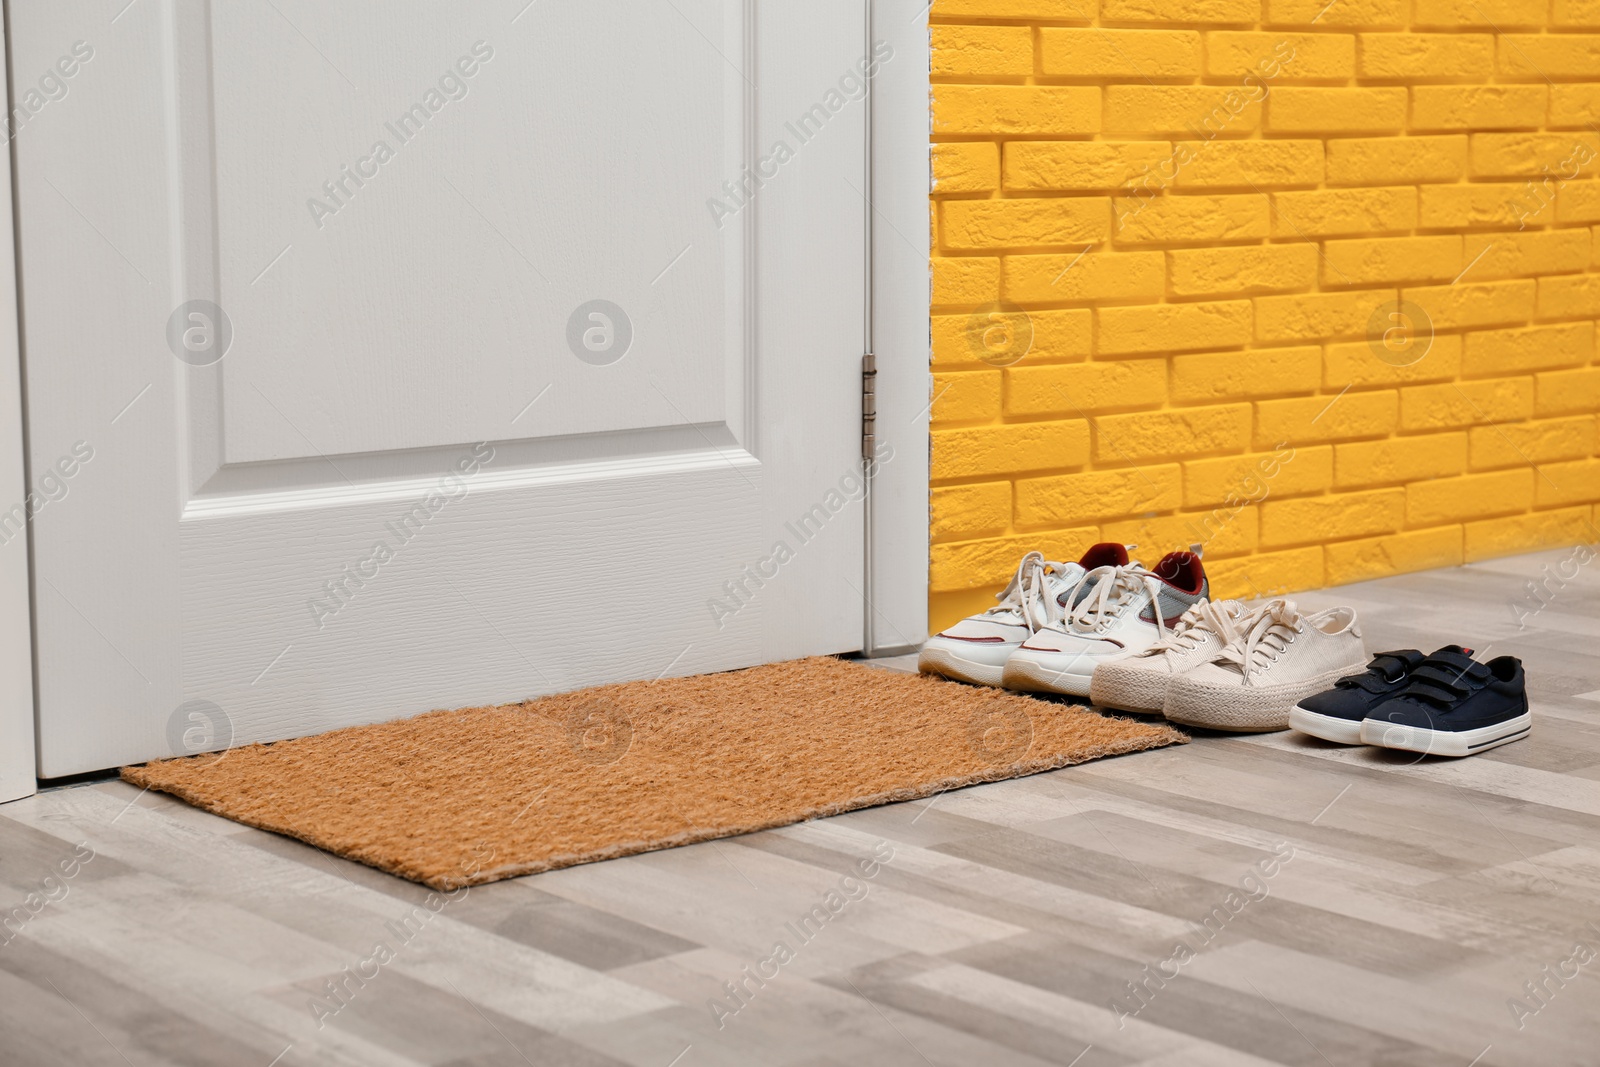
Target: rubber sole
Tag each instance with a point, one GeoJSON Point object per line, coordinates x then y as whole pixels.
{"type": "Point", "coordinates": [946, 664]}
{"type": "Point", "coordinates": [1455, 743]}
{"type": "Point", "coordinates": [1027, 676]}
{"type": "Point", "coordinates": [1327, 727]}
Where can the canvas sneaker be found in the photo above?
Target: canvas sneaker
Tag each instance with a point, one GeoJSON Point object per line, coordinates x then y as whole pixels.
{"type": "Point", "coordinates": [1139, 682]}
{"type": "Point", "coordinates": [1335, 714]}
{"type": "Point", "coordinates": [1122, 611]}
{"type": "Point", "coordinates": [976, 648]}
{"type": "Point", "coordinates": [1283, 658]}
{"type": "Point", "coordinates": [1454, 706]}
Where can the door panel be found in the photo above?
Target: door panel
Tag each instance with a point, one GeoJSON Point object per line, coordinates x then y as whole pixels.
{"type": "Point", "coordinates": [484, 226]}
{"type": "Point", "coordinates": [424, 473]}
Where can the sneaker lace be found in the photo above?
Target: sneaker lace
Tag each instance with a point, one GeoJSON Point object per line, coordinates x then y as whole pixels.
{"type": "Point", "coordinates": [1111, 591]}
{"type": "Point", "coordinates": [1199, 622]}
{"type": "Point", "coordinates": [1027, 595]}
{"type": "Point", "coordinates": [1267, 633]}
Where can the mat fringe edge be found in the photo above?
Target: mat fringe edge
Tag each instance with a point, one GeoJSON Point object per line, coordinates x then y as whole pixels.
{"type": "Point", "coordinates": [447, 883]}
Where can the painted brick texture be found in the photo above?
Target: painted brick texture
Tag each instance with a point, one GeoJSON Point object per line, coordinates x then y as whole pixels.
{"type": "Point", "coordinates": [1314, 284]}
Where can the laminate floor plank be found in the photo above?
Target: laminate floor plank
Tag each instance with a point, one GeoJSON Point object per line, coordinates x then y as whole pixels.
{"type": "Point", "coordinates": [106, 1018]}
{"type": "Point", "coordinates": [1302, 987]}
{"type": "Point", "coordinates": [1434, 913]}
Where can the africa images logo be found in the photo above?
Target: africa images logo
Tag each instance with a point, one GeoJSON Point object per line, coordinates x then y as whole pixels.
{"type": "Point", "coordinates": [340, 590]}
{"type": "Point", "coordinates": [340, 190]}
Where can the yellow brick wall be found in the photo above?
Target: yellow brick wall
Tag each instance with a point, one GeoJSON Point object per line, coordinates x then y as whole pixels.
{"type": "Point", "coordinates": [1187, 256]}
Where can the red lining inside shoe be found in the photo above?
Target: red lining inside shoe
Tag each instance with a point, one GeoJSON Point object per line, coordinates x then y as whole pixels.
{"type": "Point", "coordinates": [1105, 554]}
{"type": "Point", "coordinates": [1182, 571]}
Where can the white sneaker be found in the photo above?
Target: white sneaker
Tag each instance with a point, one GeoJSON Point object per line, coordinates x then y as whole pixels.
{"type": "Point", "coordinates": [976, 648]}
{"type": "Point", "coordinates": [1125, 610]}
{"type": "Point", "coordinates": [1283, 657]}
{"type": "Point", "coordinates": [1139, 682]}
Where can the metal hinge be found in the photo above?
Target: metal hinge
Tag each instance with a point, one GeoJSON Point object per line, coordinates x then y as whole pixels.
{"type": "Point", "coordinates": [869, 403]}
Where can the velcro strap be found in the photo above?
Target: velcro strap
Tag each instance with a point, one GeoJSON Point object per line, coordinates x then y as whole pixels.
{"type": "Point", "coordinates": [1440, 675]}
{"type": "Point", "coordinates": [1436, 681]}
{"type": "Point", "coordinates": [1392, 664]}
{"type": "Point", "coordinates": [1428, 691]}
{"type": "Point", "coordinates": [1371, 681]}
{"type": "Point", "coordinates": [1457, 663]}
{"type": "Point", "coordinates": [1385, 669]}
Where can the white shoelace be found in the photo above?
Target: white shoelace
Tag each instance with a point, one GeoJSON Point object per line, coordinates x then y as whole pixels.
{"type": "Point", "coordinates": [1027, 595]}
{"type": "Point", "coordinates": [1195, 625]}
{"type": "Point", "coordinates": [1268, 632]}
{"type": "Point", "coordinates": [1112, 590]}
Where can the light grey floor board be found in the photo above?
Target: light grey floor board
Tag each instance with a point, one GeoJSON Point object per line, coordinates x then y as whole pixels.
{"type": "Point", "coordinates": [1011, 926]}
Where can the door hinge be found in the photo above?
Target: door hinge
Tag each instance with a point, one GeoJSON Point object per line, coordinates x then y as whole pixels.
{"type": "Point", "coordinates": [869, 403]}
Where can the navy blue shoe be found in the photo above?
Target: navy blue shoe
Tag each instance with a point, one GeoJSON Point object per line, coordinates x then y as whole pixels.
{"type": "Point", "coordinates": [1335, 714]}
{"type": "Point", "coordinates": [1454, 706]}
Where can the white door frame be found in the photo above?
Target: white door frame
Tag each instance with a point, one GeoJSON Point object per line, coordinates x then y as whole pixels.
{"type": "Point", "coordinates": [896, 333]}
{"type": "Point", "coordinates": [16, 605]}
{"type": "Point", "coordinates": [898, 330]}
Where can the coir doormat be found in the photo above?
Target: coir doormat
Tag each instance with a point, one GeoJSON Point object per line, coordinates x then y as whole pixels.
{"type": "Point", "coordinates": [455, 798]}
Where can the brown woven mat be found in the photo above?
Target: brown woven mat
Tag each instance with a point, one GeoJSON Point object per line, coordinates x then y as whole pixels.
{"type": "Point", "coordinates": [455, 798]}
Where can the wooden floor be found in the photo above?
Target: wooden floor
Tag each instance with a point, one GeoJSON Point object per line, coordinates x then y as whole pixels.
{"type": "Point", "coordinates": [1276, 899]}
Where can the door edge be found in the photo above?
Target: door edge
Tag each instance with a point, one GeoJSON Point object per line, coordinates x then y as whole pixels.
{"type": "Point", "coordinates": [896, 610]}
{"type": "Point", "coordinates": [18, 763]}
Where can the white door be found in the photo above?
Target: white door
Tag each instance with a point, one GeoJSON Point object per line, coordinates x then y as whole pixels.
{"type": "Point", "coordinates": [388, 356]}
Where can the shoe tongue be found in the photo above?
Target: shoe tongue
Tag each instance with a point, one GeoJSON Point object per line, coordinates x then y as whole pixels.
{"type": "Point", "coordinates": [1105, 554]}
